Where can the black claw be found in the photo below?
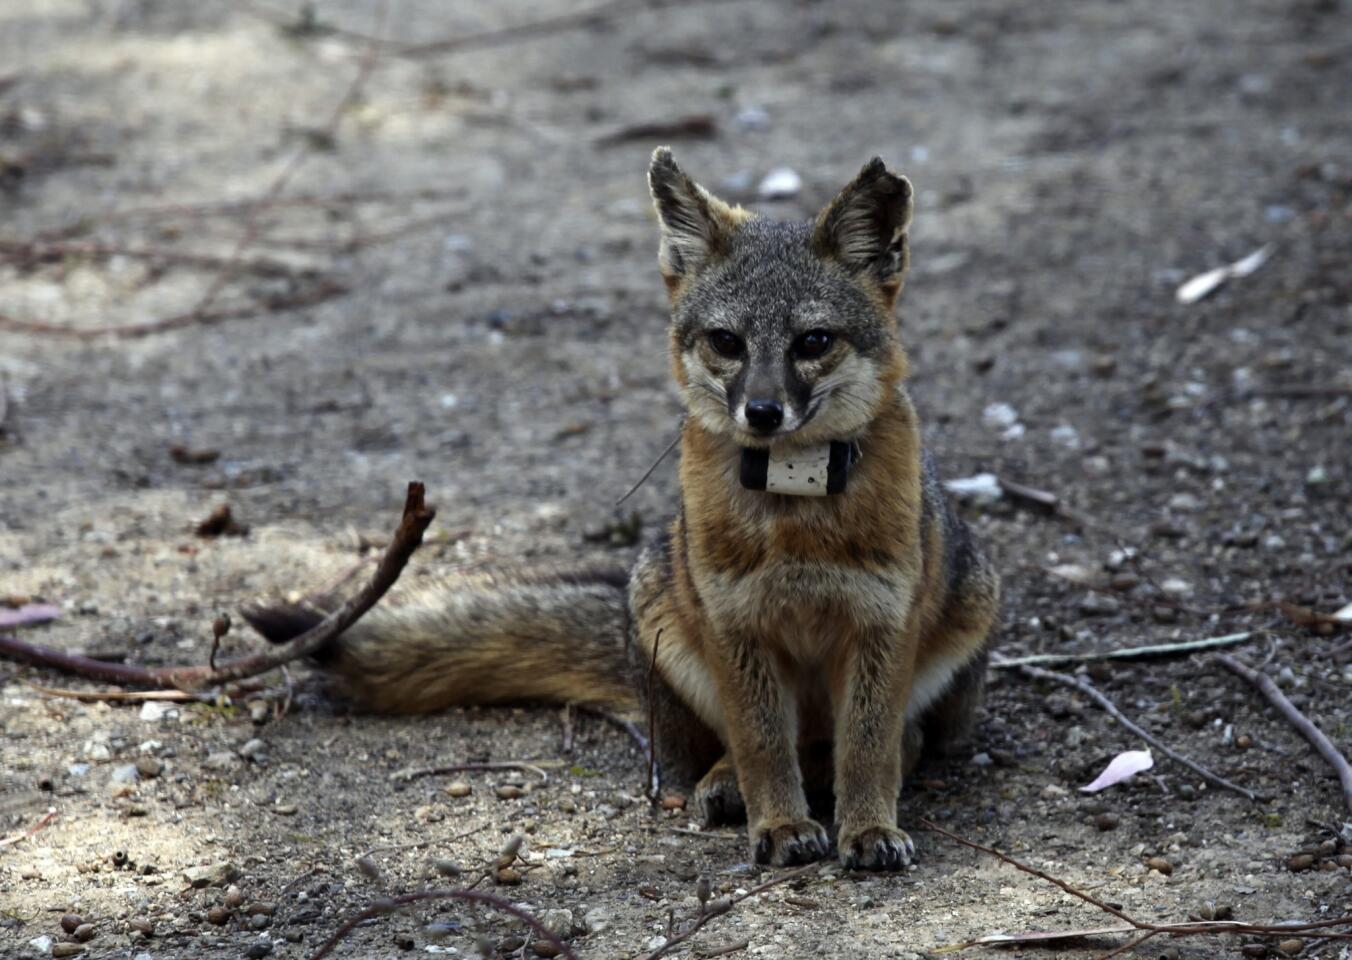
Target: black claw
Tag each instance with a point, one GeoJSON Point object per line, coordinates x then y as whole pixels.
{"type": "Point", "coordinates": [763, 850]}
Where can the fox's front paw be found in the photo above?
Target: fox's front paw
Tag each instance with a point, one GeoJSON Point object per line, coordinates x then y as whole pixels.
{"type": "Point", "coordinates": [784, 844]}
{"type": "Point", "coordinates": [875, 848]}
{"type": "Point", "coordinates": [718, 799]}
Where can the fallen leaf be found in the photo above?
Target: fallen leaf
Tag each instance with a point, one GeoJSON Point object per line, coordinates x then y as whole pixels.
{"type": "Point", "coordinates": [1204, 284]}
{"type": "Point", "coordinates": [1121, 767]}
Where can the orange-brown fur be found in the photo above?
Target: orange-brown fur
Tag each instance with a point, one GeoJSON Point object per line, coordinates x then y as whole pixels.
{"type": "Point", "coordinates": [794, 643]}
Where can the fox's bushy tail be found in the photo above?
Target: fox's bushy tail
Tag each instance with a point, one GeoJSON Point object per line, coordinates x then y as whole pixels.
{"type": "Point", "coordinates": [477, 639]}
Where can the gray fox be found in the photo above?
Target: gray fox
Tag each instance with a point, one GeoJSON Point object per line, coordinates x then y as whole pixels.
{"type": "Point", "coordinates": [814, 615]}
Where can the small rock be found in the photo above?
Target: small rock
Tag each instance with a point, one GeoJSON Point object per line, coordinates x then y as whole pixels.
{"type": "Point", "coordinates": [125, 773]}
{"type": "Point", "coordinates": [1099, 605]}
{"type": "Point", "coordinates": [1161, 865]}
{"type": "Point", "coordinates": [458, 788]}
{"type": "Point", "coordinates": [368, 868]}
{"type": "Point", "coordinates": [508, 791]}
{"type": "Point", "coordinates": [1300, 862]}
{"type": "Point", "coordinates": [67, 949]}
{"type": "Point", "coordinates": [1107, 821]}
{"type": "Point", "coordinates": [253, 749]}
{"type": "Point", "coordinates": [596, 920]}
{"type": "Point", "coordinates": [70, 921]}
{"type": "Point", "coordinates": [1290, 948]}
{"type": "Point", "coordinates": [1053, 791]}
{"type": "Point", "coordinates": [507, 877]}
{"type": "Point", "coordinates": [211, 874]}
{"type": "Point", "coordinates": [149, 767]}
{"type": "Point", "coordinates": [982, 759]}
{"type": "Point", "coordinates": [263, 908]}
{"type": "Point", "coordinates": [233, 897]}
{"type": "Point", "coordinates": [544, 948]}
{"type": "Point", "coordinates": [1243, 741]}
{"type": "Point", "coordinates": [999, 416]}
{"type": "Point", "coordinates": [780, 184]}
{"type": "Point", "coordinates": [1185, 503]}
{"type": "Point", "coordinates": [220, 760]}
{"type": "Point", "coordinates": [259, 922]}
{"type": "Point", "coordinates": [1344, 860]}
{"type": "Point", "coordinates": [673, 801]}
{"type": "Point", "coordinates": [83, 933]}
{"type": "Point", "coordinates": [258, 949]}
{"type": "Point", "coordinates": [218, 916]}
{"type": "Point", "coordinates": [403, 941]}
{"type": "Point", "coordinates": [511, 944]}
{"type": "Point", "coordinates": [447, 868]}
{"type": "Point", "coordinates": [141, 925]}
{"type": "Point", "coordinates": [559, 922]}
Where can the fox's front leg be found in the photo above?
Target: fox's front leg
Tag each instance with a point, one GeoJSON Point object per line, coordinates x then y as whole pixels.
{"type": "Point", "coordinates": [762, 733]}
{"type": "Point", "coordinates": [872, 691]}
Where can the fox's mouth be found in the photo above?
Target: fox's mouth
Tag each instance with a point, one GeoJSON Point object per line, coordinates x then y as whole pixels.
{"type": "Point", "coordinates": [754, 439]}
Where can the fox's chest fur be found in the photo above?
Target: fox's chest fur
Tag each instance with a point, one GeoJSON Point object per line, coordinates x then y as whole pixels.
{"type": "Point", "coordinates": [800, 570]}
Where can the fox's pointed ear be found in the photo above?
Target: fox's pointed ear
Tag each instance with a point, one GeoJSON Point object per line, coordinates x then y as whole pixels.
{"type": "Point", "coordinates": [864, 227]}
{"type": "Point", "coordinates": [697, 227]}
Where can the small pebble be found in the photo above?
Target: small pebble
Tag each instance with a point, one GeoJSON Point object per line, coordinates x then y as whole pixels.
{"type": "Point", "coordinates": [508, 877]}
{"type": "Point", "coordinates": [1243, 741]}
{"type": "Point", "coordinates": [83, 933]}
{"type": "Point", "coordinates": [1344, 860]}
{"type": "Point", "coordinates": [218, 916]}
{"type": "Point", "coordinates": [458, 788]}
{"type": "Point", "coordinates": [1290, 948]}
{"type": "Point", "coordinates": [233, 898]}
{"type": "Point", "coordinates": [673, 801]}
{"type": "Point", "coordinates": [1161, 865]}
{"type": "Point", "coordinates": [368, 868]}
{"type": "Point", "coordinates": [1254, 950]}
{"type": "Point", "coordinates": [264, 908]}
{"type": "Point", "coordinates": [544, 948]}
{"type": "Point", "coordinates": [447, 868]}
{"type": "Point", "coordinates": [259, 921]}
{"type": "Point", "coordinates": [1107, 821]}
{"type": "Point", "coordinates": [258, 950]}
{"type": "Point", "coordinates": [67, 949]}
{"type": "Point", "coordinates": [511, 944]}
{"type": "Point", "coordinates": [403, 941]}
{"type": "Point", "coordinates": [149, 767]}
{"type": "Point", "coordinates": [142, 926]}
{"type": "Point", "coordinates": [1300, 862]}
{"type": "Point", "coordinates": [70, 921]}
{"type": "Point", "coordinates": [508, 791]}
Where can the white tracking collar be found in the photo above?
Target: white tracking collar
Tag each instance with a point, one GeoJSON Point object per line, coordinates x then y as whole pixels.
{"type": "Point", "coordinates": [806, 472]}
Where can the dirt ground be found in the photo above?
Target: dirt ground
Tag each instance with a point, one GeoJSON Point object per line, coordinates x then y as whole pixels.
{"type": "Point", "coordinates": [499, 334]}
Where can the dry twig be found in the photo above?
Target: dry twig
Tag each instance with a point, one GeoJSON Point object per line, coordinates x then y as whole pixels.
{"type": "Point", "coordinates": [1299, 930]}
{"type": "Point", "coordinates": [1089, 690]}
{"type": "Point", "coordinates": [407, 538]}
{"type": "Point", "coordinates": [716, 908]}
{"type": "Point", "coordinates": [531, 767]}
{"type": "Point", "coordinates": [45, 819]}
{"type": "Point", "coordinates": [1124, 653]}
{"type": "Point", "coordinates": [1308, 730]}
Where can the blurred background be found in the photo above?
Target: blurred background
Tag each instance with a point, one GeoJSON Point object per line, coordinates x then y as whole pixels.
{"type": "Point", "coordinates": [286, 257]}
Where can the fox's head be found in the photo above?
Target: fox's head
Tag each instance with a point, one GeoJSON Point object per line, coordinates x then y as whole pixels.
{"type": "Point", "coordinates": [784, 331]}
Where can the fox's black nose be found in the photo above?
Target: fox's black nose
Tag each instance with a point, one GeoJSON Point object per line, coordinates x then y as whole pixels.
{"type": "Point", "coordinates": [764, 415]}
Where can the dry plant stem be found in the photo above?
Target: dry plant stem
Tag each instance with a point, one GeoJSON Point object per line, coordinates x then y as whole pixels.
{"type": "Point", "coordinates": [1297, 719]}
{"type": "Point", "coordinates": [253, 223]}
{"type": "Point", "coordinates": [1124, 653]}
{"type": "Point", "coordinates": [413, 773]}
{"type": "Point", "coordinates": [707, 915]}
{"type": "Point", "coordinates": [468, 896]}
{"type": "Point", "coordinates": [323, 291]}
{"type": "Point", "coordinates": [417, 516]}
{"type": "Point", "coordinates": [1092, 692]}
{"type": "Point", "coordinates": [45, 819]}
{"type": "Point", "coordinates": [1303, 931]}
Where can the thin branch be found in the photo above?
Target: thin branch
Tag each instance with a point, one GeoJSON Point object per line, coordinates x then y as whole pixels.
{"type": "Point", "coordinates": [1089, 690]}
{"type": "Point", "coordinates": [1125, 653]}
{"type": "Point", "coordinates": [406, 540]}
{"type": "Point", "coordinates": [716, 908]}
{"type": "Point", "coordinates": [45, 819]}
{"type": "Point", "coordinates": [1308, 730]}
{"type": "Point", "coordinates": [390, 904]}
{"type": "Point", "coordinates": [413, 773]}
{"type": "Point", "coordinates": [1305, 931]}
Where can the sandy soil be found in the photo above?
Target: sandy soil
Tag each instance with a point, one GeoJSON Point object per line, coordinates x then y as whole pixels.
{"type": "Point", "coordinates": [501, 337]}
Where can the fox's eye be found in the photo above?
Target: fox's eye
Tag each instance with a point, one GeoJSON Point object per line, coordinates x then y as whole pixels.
{"type": "Point", "coordinates": [813, 344]}
{"type": "Point", "coordinates": [726, 343]}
